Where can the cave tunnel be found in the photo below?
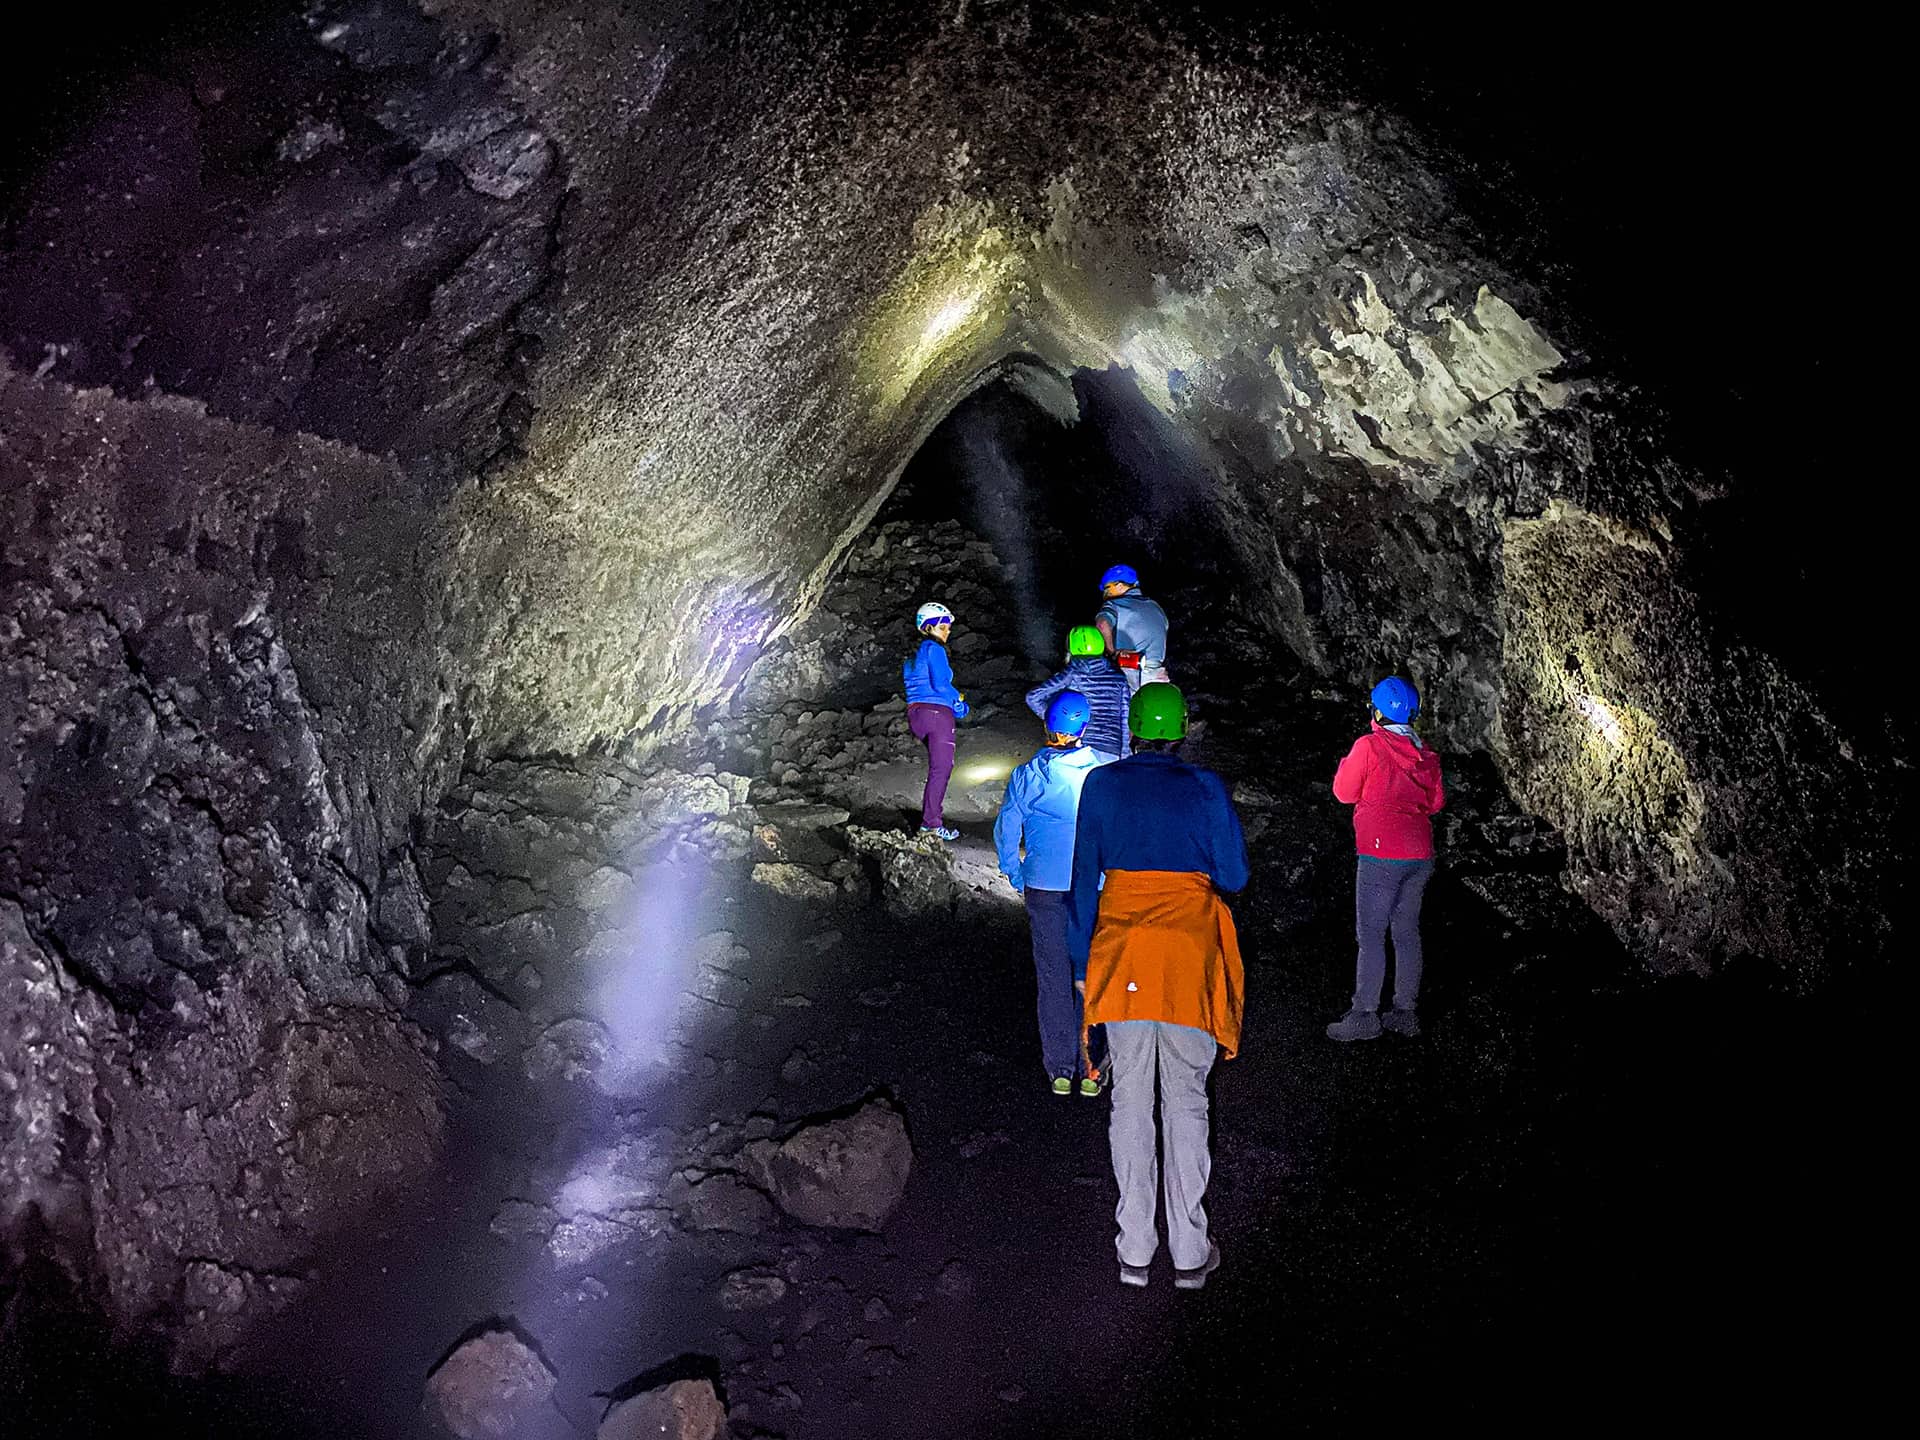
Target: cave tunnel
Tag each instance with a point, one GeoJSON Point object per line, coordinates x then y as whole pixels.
{"type": "Point", "coordinates": [469, 963]}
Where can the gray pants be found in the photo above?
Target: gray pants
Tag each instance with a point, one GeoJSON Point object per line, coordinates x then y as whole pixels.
{"type": "Point", "coordinates": [1182, 1056]}
{"type": "Point", "coordinates": [1387, 897]}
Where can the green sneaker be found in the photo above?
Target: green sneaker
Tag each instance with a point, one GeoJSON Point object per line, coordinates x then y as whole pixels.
{"type": "Point", "coordinates": [1062, 1085]}
{"type": "Point", "coordinates": [1090, 1085]}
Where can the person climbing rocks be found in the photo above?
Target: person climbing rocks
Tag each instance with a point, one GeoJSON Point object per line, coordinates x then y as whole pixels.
{"type": "Point", "coordinates": [1392, 780]}
{"type": "Point", "coordinates": [1091, 671]}
{"type": "Point", "coordinates": [1134, 627]}
{"type": "Point", "coordinates": [1039, 811]}
{"type": "Point", "coordinates": [933, 705]}
{"type": "Point", "coordinates": [1157, 845]}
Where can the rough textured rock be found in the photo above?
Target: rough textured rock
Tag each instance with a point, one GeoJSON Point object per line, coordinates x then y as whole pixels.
{"type": "Point", "coordinates": [1612, 684]}
{"type": "Point", "coordinates": [486, 1389]}
{"type": "Point", "coordinates": [847, 1173]}
{"type": "Point", "coordinates": [679, 1410]}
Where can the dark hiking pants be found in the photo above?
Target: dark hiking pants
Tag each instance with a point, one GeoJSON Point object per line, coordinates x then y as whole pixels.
{"type": "Point", "coordinates": [1058, 1002]}
{"type": "Point", "coordinates": [1386, 897]}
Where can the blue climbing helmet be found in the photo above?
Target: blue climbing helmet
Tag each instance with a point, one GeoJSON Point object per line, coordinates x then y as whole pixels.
{"type": "Point", "coordinates": [1396, 699]}
{"type": "Point", "coordinates": [1068, 714]}
{"type": "Point", "coordinates": [1120, 575]}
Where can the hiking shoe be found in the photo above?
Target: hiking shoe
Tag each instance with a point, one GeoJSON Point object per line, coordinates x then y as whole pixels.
{"type": "Point", "coordinates": [1355, 1025]}
{"type": "Point", "coordinates": [1196, 1279]}
{"type": "Point", "coordinates": [1400, 1022]}
{"type": "Point", "coordinates": [1091, 1085]}
{"type": "Point", "coordinates": [940, 832]}
{"type": "Point", "coordinates": [1135, 1274]}
{"type": "Point", "coordinates": [1063, 1085]}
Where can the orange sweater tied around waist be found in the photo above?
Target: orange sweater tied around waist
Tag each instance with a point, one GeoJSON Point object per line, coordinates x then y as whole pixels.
{"type": "Point", "coordinates": [1164, 948]}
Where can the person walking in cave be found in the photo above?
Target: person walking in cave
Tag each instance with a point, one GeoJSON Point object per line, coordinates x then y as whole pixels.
{"type": "Point", "coordinates": [1091, 672]}
{"type": "Point", "coordinates": [1041, 806]}
{"type": "Point", "coordinates": [933, 705]}
{"type": "Point", "coordinates": [1134, 627]}
{"type": "Point", "coordinates": [1392, 780]}
{"type": "Point", "coordinates": [1156, 846]}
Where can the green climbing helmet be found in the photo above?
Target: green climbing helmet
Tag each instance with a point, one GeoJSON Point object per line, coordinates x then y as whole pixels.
{"type": "Point", "coordinates": [1158, 712]}
{"type": "Point", "coordinates": [1086, 640]}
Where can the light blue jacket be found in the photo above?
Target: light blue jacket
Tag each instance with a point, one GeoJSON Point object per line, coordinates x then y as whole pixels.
{"type": "Point", "coordinates": [1042, 802]}
{"type": "Point", "coordinates": [929, 678]}
{"type": "Point", "coordinates": [1140, 625]}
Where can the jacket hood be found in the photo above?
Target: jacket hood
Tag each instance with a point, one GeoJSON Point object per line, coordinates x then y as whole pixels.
{"type": "Point", "coordinates": [1409, 758]}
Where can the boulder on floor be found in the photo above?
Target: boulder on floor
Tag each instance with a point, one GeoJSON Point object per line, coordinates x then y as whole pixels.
{"type": "Point", "coordinates": [488, 1386]}
{"type": "Point", "coordinates": [796, 882]}
{"type": "Point", "coordinates": [919, 873]}
{"type": "Point", "coordinates": [847, 1172]}
{"type": "Point", "coordinates": [680, 1410]}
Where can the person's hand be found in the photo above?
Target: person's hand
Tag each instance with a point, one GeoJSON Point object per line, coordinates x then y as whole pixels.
{"type": "Point", "coordinates": [961, 709]}
{"type": "Point", "coordinates": [1081, 986]}
{"type": "Point", "coordinates": [1014, 880]}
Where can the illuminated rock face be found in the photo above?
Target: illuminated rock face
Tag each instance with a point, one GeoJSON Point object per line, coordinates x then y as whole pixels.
{"type": "Point", "coordinates": [387, 384]}
{"type": "Point", "coordinates": [1710, 807]}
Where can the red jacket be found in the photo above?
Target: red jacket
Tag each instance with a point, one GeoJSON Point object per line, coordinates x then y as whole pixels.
{"type": "Point", "coordinates": [1393, 786]}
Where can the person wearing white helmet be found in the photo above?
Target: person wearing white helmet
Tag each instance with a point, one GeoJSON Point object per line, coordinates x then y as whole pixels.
{"type": "Point", "coordinates": [933, 704]}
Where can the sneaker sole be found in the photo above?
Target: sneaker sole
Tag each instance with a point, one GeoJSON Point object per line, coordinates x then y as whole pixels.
{"type": "Point", "coordinates": [1137, 1281]}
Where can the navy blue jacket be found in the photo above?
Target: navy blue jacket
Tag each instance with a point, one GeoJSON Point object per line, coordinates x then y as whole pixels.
{"type": "Point", "coordinates": [1150, 812]}
{"type": "Point", "coordinates": [1100, 680]}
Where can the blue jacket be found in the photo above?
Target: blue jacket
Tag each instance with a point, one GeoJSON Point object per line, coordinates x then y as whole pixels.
{"type": "Point", "coordinates": [1150, 812]}
{"type": "Point", "coordinates": [1100, 680]}
{"type": "Point", "coordinates": [929, 678]}
{"type": "Point", "coordinates": [1043, 797]}
{"type": "Point", "coordinates": [1139, 624]}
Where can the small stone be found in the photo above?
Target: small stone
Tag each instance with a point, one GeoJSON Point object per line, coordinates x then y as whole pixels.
{"type": "Point", "coordinates": [573, 1049]}
{"type": "Point", "coordinates": [521, 1220]}
{"type": "Point", "coordinates": [681, 1410]}
{"type": "Point", "coordinates": [751, 1289]}
{"type": "Point", "coordinates": [308, 139]}
{"type": "Point", "coordinates": [487, 1387]}
{"type": "Point", "coordinates": [955, 1281]}
{"type": "Point", "coordinates": [796, 882]}
{"type": "Point", "coordinates": [1012, 1394]}
{"type": "Point", "coordinates": [877, 1312]}
{"type": "Point", "coordinates": [506, 163]}
{"type": "Point", "coordinates": [727, 1203]}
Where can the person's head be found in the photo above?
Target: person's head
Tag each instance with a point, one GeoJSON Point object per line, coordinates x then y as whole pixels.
{"type": "Point", "coordinates": [1394, 701]}
{"type": "Point", "coordinates": [1085, 640]}
{"type": "Point", "coordinates": [1118, 580]}
{"type": "Point", "coordinates": [1067, 718]}
{"type": "Point", "coordinates": [934, 619]}
{"type": "Point", "coordinates": [1157, 717]}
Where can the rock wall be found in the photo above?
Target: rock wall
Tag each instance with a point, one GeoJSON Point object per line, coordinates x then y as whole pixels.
{"type": "Point", "coordinates": [206, 888]}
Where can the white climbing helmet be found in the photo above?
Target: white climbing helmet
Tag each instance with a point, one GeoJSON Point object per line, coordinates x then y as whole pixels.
{"type": "Point", "coordinates": [932, 613]}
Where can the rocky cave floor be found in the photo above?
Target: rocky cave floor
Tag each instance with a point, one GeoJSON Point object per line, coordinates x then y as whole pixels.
{"type": "Point", "coordinates": [1578, 1192]}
